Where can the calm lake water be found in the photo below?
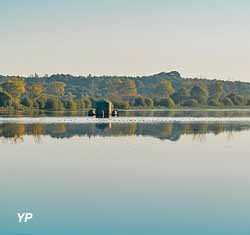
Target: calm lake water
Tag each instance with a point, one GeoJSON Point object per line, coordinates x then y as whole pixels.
{"type": "Point", "coordinates": [178, 177]}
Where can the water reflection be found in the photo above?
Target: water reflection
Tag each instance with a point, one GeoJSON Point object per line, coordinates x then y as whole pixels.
{"type": "Point", "coordinates": [14, 132]}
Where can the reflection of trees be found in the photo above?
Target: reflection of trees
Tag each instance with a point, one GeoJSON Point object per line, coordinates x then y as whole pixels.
{"type": "Point", "coordinates": [199, 128]}
{"type": "Point", "coordinates": [12, 131]}
{"type": "Point", "coordinates": [217, 128]}
{"type": "Point", "coordinates": [37, 131]}
{"type": "Point", "coordinates": [167, 129]}
{"type": "Point", "coordinates": [230, 135]}
{"type": "Point", "coordinates": [199, 137]}
{"type": "Point", "coordinates": [58, 129]}
{"type": "Point", "coordinates": [114, 130]}
{"type": "Point", "coordinates": [171, 131]}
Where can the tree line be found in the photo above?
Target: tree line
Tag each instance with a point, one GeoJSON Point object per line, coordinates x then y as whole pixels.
{"type": "Point", "coordinates": [167, 90]}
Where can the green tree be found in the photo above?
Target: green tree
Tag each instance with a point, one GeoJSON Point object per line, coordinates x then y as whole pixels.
{"type": "Point", "coordinates": [70, 104]}
{"type": "Point", "coordinates": [236, 99]}
{"type": "Point", "coordinates": [57, 88]}
{"type": "Point", "coordinates": [41, 101]}
{"type": "Point", "coordinates": [164, 89]}
{"type": "Point", "coordinates": [26, 101]}
{"type": "Point", "coordinates": [181, 95]}
{"type": "Point", "coordinates": [15, 87]}
{"type": "Point", "coordinates": [121, 89]}
{"type": "Point", "coordinates": [139, 101]}
{"type": "Point", "coordinates": [167, 102]}
{"type": "Point", "coordinates": [227, 101]}
{"type": "Point", "coordinates": [5, 99]}
{"type": "Point", "coordinates": [36, 90]}
{"type": "Point", "coordinates": [190, 103]}
{"type": "Point", "coordinates": [149, 102]}
{"type": "Point", "coordinates": [200, 94]}
{"type": "Point", "coordinates": [216, 91]}
{"type": "Point", "coordinates": [121, 104]}
{"type": "Point", "coordinates": [54, 103]}
{"type": "Point", "coordinates": [248, 101]}
{"type": "Point", "coordinates": [87, 102]}
{"type": "Point", "coordinates": [214, 102]}
{"type": "Point", "coordinates": [80, 104]}
{"type": "Point", "coordinates": [128, 88]}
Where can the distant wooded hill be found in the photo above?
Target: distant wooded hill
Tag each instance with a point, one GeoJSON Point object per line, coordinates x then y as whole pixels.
{"type": "Point", "coordinates": [170, 90]}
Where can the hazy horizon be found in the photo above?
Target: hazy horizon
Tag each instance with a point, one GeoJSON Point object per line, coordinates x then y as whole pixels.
{"type": "Point", "coordinates": [133, 38]}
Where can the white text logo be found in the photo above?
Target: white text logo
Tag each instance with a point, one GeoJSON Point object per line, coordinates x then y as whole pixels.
{"type": "Point", "coordinates": [24, 217]}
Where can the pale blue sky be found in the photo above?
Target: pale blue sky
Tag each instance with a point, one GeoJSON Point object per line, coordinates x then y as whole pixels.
{"type": "Point", "coordinates": [197, 38]}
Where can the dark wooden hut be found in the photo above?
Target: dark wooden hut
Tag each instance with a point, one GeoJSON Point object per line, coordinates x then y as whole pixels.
{"type": "Point", "coordinates": [104, 108]}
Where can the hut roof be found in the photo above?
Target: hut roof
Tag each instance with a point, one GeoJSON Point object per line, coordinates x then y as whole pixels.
{"type": "Point", "coordinates": [104, 101]}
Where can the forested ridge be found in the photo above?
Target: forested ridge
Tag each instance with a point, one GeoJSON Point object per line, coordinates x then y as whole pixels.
{"type": "Point", "coordinates": [169, 90]}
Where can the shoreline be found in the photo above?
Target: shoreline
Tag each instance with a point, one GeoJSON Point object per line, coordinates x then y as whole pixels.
{"type": "Point", "coordinates": [235, 108]}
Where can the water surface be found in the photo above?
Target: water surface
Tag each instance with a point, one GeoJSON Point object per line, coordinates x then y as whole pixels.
{"type": "Point", "coordinates": [126, 178]}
